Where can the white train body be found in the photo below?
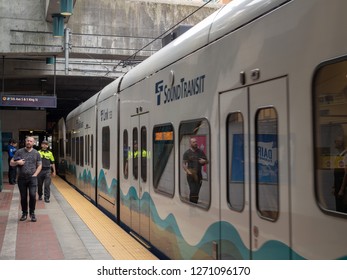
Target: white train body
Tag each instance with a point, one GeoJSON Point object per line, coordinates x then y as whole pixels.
{"type": "Point", "coordinates": [260, 85]}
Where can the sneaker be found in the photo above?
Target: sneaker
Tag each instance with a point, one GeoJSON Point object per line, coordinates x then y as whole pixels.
{"type": "Point", "coordinates": [24, 217]}
{"type": "Point", "coordinates": [46, 200]}
{"type": "Point", "coordinates": [40, 197]}
{"type": "Point", "coordinates": [33, 218]}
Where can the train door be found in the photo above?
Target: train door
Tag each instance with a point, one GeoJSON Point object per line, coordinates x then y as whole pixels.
{"type": "Point", "coordinates": [139, 203]}
{"type": "Point", "coordinates": [255, 183]}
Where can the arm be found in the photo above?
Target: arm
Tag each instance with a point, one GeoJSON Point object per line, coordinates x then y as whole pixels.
{"type": "Point", "coordinates": [53, 168]}
{"type": "Point", "coordinates": [38, 170]}
{"type": "Point", "coordinates": [203, 158]}
{"type": "Point", "coordinates": [16, 162]}
{"type": "Point", "coordinates": [185, 167]}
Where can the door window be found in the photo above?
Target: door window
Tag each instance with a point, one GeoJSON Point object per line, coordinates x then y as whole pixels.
{"type": "Point", "coordinates": [267, 163]}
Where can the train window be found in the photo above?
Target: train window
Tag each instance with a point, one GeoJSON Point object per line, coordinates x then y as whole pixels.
{"type": "Point", "coordinates": [135, 153]}
{"type": "Point", "coordinates": [235, 162]}
{"type": "Point", "coordinates": [143, 155]}
{"type": "Point", "coordinates": [125, 153]}
{"type": "Point", "coordinates": [68, 145]}
{"type": "Point", "coordinates": [105, 147]}
{"type": "Point", "coordinates": [61, 148]}
{"type": "Point", "coordinates": [163, 159]}
{"type": "Point", "coordinates": [73, 150]}
{"type": "Point", "coordinates": [77, 148]}
{"type": "Point", "coordinates": [81, 151]}
{"type": "Point", "coordinates": [330, 142]}
{"type": "Point", "coordinates": [92, 150]}
{"type": "Point", "coordinates": [267, 163]}
{"type": "Point", "coordinates": [194, 150]}
{"type": "Point", "coordinates": [86, 149]}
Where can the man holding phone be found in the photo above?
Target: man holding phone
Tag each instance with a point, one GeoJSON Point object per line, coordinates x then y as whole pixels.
{"type": "Point", "coordinates": [29, 164]}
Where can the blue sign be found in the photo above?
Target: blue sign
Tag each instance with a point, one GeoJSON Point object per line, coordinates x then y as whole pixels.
{"type": "Point", "coordinates": [29, 101]}
{"type": "Point", "coordinates": [267, 159]}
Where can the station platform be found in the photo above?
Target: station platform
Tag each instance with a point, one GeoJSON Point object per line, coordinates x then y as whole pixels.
{"type": "Point", "coordinates": [67, 228]}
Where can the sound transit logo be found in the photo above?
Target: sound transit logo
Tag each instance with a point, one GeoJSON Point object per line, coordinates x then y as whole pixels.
{"type": "Point", "coordinates": [183, 89]}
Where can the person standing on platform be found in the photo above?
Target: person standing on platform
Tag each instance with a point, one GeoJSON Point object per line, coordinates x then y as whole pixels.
{"type": "Point", "coordinates": [44, 177]}
{"type": "Point", "coordinates": [29, 164]}
{"type": "Point", "coordinates": [12, 171]}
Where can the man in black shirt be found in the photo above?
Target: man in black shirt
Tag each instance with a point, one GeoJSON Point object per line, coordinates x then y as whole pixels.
{"type": "Point", "coordinates": [29, 165]}
{"type": "Point", "coordinates": [193, 160]}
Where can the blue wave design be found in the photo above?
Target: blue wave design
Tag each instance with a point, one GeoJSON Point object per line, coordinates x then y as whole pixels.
{"type": "Point", "coordinates": [166, 232]}
{"type": "Point", "coordinates": [103, 187]}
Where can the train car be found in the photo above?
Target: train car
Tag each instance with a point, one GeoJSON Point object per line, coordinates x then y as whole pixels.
{"type": "Point", "coordinates": [259, 88]}
{"type": "Point", "coordinates": [81, 151]}
{"type": "Point", "coordinates": [59, 147]}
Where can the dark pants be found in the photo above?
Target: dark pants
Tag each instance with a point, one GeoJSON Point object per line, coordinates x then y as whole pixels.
{"type": "Point", "coordinates": [12, 173]}
{"type": "Point", "coordinates": [24, 185]}
{"type": "Point", "coordinates": [194, 187]}
{"type": "Point", "coordinates": [44, 179]}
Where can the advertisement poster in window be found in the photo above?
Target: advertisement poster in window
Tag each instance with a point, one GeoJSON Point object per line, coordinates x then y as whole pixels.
{"type": "Point", "coordinates": [267, 159]}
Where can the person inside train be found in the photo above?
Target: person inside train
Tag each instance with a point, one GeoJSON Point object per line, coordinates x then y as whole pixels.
{"type": "Point", "coordinates": [134, 156]}
{"type": "Point", "coordinates": [48, 169]}
{"type": "Point", "coordinates": [12, 171]}
{"type": "Point", "coordinates": [340, 176]}
{"type": "Point", "coordinates": [193, 161]}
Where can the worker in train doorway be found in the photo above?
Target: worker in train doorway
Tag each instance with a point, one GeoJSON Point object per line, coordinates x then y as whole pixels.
{"type": "Point", "coordinates": [48, 170]}
{"type": "Point", "coordinates": [12, 170]}
{"type": "Point", "coordinates": [134, 157]}
{"type": "Point", "coordinates": [193, 161]}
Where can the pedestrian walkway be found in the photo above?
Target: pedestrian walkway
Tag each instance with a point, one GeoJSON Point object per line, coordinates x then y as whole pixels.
{"type": "Point", "coordinates": [67, 228]}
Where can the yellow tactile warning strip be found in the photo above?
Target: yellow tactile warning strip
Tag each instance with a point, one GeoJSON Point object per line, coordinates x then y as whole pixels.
{"type": "Point", "coordinates": [117, 242]}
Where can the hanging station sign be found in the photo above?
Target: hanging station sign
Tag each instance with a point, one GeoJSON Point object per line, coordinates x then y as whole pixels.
{"type": "Point", "coordinates": [29, 101]}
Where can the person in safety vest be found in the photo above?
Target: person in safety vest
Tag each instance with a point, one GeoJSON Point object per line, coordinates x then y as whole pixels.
{"type": "Point", "coordinates": [44, 177]}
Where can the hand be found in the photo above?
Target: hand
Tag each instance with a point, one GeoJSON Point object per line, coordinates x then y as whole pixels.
{"type": "Point", "coordinates": [20, 162]}
{"type": "Point", "coordinates": [202, 161]}
{"type": "Point", "coordinates": [341, 192]}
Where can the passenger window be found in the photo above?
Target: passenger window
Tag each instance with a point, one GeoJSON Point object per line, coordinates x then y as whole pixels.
{"type": "Point", "coordinates": [68, 144]}
{"type": "Point", "coordinates": [81, 151]}
{"type": "Point", "coordinates": [86, 149]}
{"type": "Point", "coordinates": [105, 147]}
{"type": "Point", "coordinates": [77, 150]}
{"type": "Point", "coordinates": [235, 162]}
{"type": "Point", "coordinates": [164, 159]}
{"type": "Point", "coordinates": [73, 147]}
{"type": "Point", "coordinates": [194, 162]}
{"type": "Point", "coordinates": [135, 154]}
{"type": "Point", "coordinates": [267, 163]}
{"type": "Point", "coordinates": [143, 155]}
{"type": "Point", "coordinates": [125, 154]}
{"type": "Point", "coordinates": [330, 123]}
{"type": "Point", "coordinates": [92, 150]}
{"type": "Point", "coordinates": [61, 148]}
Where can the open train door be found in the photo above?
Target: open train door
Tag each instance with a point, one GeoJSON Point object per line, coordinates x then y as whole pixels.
{"type": "Point", "coordinates": [255, 217]}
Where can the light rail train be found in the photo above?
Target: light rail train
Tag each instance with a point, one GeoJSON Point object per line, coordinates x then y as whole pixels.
{"type": "Point", "coordinates": [261, 85]}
